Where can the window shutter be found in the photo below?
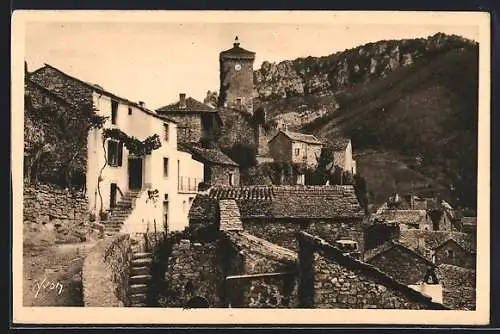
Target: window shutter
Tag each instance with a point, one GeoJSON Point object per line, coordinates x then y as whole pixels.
{"type": "Point", "coordinates": [120, 153]}
{"type": "Point", "coordinates": [111, 152]}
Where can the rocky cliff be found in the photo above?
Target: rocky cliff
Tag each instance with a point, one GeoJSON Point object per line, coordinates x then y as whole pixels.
{"type": "Point", "coordinates": [397, 100]}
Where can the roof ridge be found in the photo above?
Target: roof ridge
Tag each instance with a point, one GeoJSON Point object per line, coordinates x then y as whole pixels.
{"type": "Point", "coordinates": [343, 259]}
{"type": "Point", "coordinates": [104, 91]}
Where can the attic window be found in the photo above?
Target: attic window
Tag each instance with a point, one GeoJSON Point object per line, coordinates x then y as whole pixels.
{"type": "Point", "coordinates": [231, 179]}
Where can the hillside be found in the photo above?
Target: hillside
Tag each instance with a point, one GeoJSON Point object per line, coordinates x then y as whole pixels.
{"type": "Point", "coordinates": [409, 106]}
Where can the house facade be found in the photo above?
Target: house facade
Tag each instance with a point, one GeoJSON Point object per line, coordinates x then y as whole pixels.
{"type": "Point", "coordinates": [113, 174]}
{"type": "Point", "coordinates": [296, 148]}
{"type": "Point", "coordinates": [342, 153]}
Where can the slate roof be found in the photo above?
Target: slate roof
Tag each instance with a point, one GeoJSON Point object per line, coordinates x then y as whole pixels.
{"type": "Point", "coordinates": [403, 216]}
{"type": "Point", "coordinates": [388, 245]}
{"type": "Point", "coordinates": [293, 202]}
{"type": "Point", "coordinates": [296, 136]}
{"type": "Point", "coordinates": [207, 155]}
{"type": "Point", "coordinates": [334, 254]}
{"type": "Point", "coordinates": [98, 89]}
{"type": "Point", "coordinates": [247, 242]}
{"type": "Point", "coordinates": [192, 106]}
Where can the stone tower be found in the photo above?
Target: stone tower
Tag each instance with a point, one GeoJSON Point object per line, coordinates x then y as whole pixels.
{"type": "Point", "coordinates": [236, 78]}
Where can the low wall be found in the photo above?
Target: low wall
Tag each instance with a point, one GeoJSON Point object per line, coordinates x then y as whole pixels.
{"type": "Point", "coordinates": [105, 273]}
{"type": "Point", "coordinates": [58, 211]}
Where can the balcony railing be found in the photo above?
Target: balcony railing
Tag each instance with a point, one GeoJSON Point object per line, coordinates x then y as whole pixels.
{"type": "Point", "coordinates": [188, 184]}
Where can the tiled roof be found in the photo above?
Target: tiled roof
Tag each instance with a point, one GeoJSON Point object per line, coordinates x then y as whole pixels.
{"type": "Point", "coordinates": [338, 143]}
{"type": "Point", "coordinates": [403, 216]}
{"type": "Point", "coordinates": [292, 201]}
{"type": "Point", "coordinates": [302, 137]}
{"type": "Point", "coordinates": [388, 245]}
{"type": "Point", "coordinates": [191, 106]}
{"type": "Point", "coordinates": [431, 239]}
{"type": "Point", "coordinates": [338, 256]}
{"type": "Point", "coordinates": [101, 90]}
{"type": "Point", "coordinates": [207, 155]}
{"type": "Point", "coordinates": [204, 208]}
{"type": "Point", "coordinates": [247, 242]}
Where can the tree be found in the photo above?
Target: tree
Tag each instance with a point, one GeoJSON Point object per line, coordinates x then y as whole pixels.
{"type": "Point", "coordinates": [211, 99]}
{"type": "Point", "coordinates": [35, 147]}
{"type": "Point", "coordinates": [360, 189]}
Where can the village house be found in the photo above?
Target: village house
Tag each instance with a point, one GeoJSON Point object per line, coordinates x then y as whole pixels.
{"type": "Point", "coordinates": [121, 182]}
{"type": "Point", "coordinates": [456, 253]}
{"type": "Point", "coordinates": [196, 121]}
{"type": "Point", "coordinates": [342, 153]}
{"type": "Point", "coordinates": [296, 148]}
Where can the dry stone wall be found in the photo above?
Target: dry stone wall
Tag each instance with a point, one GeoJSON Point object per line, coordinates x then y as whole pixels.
{"type": "Point", "coordinates": [60, 212]}
{"type": "Point", "coordinates": [105, 273]}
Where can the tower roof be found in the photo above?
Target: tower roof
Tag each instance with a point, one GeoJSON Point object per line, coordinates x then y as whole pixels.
{"type": "Point", "coordinates": [237, 52]}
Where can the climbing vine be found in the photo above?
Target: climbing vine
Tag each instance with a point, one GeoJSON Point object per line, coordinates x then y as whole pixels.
{"type": "Point", "coordinates": [134, 145]}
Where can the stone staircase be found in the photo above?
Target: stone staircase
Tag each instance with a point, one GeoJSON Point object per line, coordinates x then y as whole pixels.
{"type": "Point", "coordinates": [140, 275]}
{"type": "Point", "coordinates": [120, 212]}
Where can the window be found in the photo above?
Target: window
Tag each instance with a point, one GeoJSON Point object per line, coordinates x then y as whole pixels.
{"type": "Point", "coordinates": [449, 253]}
{"type": "Point", "coordinates": [297, 151]}
{"type": "Point", "coordinates": [130, 110]}
{"type": "Point", "coordinates": [46, 99]}
{"type": "Point", "coordinates": [231, 179]}
{"type": "Point", "coordinates": [165, 167]}
{"type": "Point", "coordinates": [115, 153]}
{"type": "Point", "coordinates": [238, 101]}
{"type": "Point", "coordinates": [165, 130]}
{"type": "Point", "coordinates": [114, 111]}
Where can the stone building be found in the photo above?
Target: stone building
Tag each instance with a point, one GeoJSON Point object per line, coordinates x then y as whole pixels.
{"type": "Point", "coordinates": [399, 262]}
{"type": "Point", "coordinates": [236, 78]}
{"type": "Point", "coordinates": [121, 188]}
{"type": "Point", "coordinates": [196, 121]}
{"type": "Point", "coordinates": [277, 213]}
{"type": "Point", "coordinates": [327, 278]}
{"type": "Point", "coordinates": [296, 148]}
{"type": "Point", "coordinates": [455, 253]}
{"type": "Point", "coordinates": [219, 169]}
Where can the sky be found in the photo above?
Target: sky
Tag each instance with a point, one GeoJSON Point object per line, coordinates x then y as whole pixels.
{"type": "Point", "coordinates": [155, 61]}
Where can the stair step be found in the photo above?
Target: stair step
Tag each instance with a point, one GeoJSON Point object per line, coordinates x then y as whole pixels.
{"type": "Point", "coordinates": [138, 305]}
{"type": "Point", "coordinates": [138, 288]}
{"type": "Point", "coordinates": [141, 262]}
{"type": "Point", "coordinates": [140, 270]}
{"type": "Point", "coordinates": [138, 279]}
{"type": "Point", "coordinates": [141, 255]}
{"type": "Point", "coordinates": [138, 298]}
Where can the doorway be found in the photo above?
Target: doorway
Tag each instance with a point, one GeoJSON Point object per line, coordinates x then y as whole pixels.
{"type": "Point", "coordinates": [135, 173]}
{"type": "Point", "coordinates": [112, 198]}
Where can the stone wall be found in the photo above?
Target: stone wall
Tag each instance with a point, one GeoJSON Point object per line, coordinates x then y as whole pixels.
{"type": "Point", "coordinates": [60, 212]}
{"type": "Point", "coordinates": [459, 287]}
{"type": "Point", "coordinates": [237, 128]}
{"type": "Point", "coordinates": [283, 232]}
{"type": "Point", "coordinates": [330, 279]}
{"type": "Point", "coordinates": [191, 272]}
{"type": "Point", "coordinates": [188, 127]}
{"type": "Point", "coordinates": [266, 292]}
{"type": "Point", "coordinates": [105, 273]}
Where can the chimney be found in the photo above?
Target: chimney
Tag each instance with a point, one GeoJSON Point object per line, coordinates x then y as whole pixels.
{"type": "Point", "coordinates": [236, 42]}
{"type": "Point", "coordinates": [142, 104]}
{"type": "Point", "coordinates": [182, 100]}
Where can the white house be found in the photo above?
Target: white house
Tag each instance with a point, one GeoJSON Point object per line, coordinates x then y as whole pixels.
{"type": "Point", "coordinates": [113, 175]}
